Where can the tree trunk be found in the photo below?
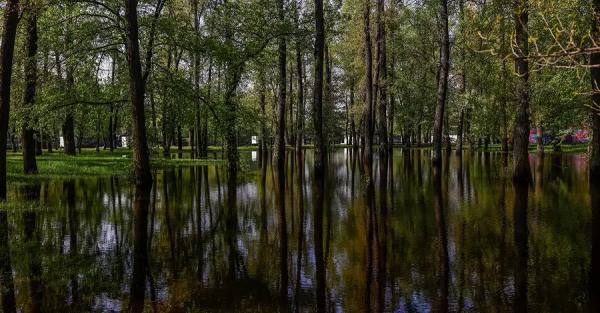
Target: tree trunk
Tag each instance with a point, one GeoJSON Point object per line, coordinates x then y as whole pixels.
{"type": "Point", "coordinates": [262, 144]}
{"type": "Point", "coordinates": [320, 149]}
{"type": "Point", "coordinates": [442, 89]}
{"type": "Point", "coordinates": [68, 130]}
{"type": "Point", "coordinates": [196, 68]}
{"type": "Point", "coordinates": [279, 151]}
{"type": "Point", "coordinates": [204, 118]}
{"type": "Point", "coordinates": [300, 87]}
{"type": "Point", "coordinates": [179, 140]}
{"type": "Point", "coordinates": [521, 169]}
{"type": "Point", "coordinates": [463, 85]}
{"type": "Point", "coordinates": [594, 162]}
{"type": "Point", "coordinates": [7, 48]}
{"type": "Point", "coordinates": [459, 131]}
{"type": "Point", "coordinates": [280, 157]}
{"type": "Point", "coordinates": [327, 99]}
{"type": "Point", "coordinates": [111, 134]}
{"type": "Point", "coordinates": [368, 153]}
{"type": "Point", "coordinates": [540, 139]}
{"type": "Point", "coordinates": [31, 47]}
{"type": "Point", "coordinates": [141, 159]}
{"type": "Point", "coordinates": [353, 135]}
{"type": "Point", "coordinates": [382, 78]}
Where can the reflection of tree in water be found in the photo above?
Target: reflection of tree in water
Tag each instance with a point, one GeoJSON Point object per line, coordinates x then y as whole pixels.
{"type": "Point", "coordinates": [594, 276]}
{"type": "Point", "coordinates": [140, 248]}
{"type": "Point", "coordinates": [34, 267]}
{"type": "Point", "coordinates": [7, 285]}
{"type": "Point", "coordinates": [521, 235]}
{"type": "Point", "coordinates": [209, 254]}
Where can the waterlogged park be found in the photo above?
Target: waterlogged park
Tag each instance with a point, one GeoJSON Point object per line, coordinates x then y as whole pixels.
{"type": "Point", "coordinates": [300, 156]}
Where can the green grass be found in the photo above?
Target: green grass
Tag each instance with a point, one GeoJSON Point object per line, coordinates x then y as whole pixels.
{"type": "Point", "coordinates": [89, 163]}
{"type": "Point", "coordinates": [575, 148]}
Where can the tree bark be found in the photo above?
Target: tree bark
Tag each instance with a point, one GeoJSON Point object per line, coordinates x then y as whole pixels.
{"type": "Point", "coordinates": [594, 162]}
{"type": "Point", "coordinates": [262, 145]}
{"type": "Point", "coordinates": [463, 83]}
{"type": "Point", "coordinates": [368, 151]}
{"type": "Point", "coordinates": [382, 78]}
{"type": "Point", "coordinates": [521, 170]}
{"type": "Point", "coordinates": [300, 87]}
{"type": "Point", "coordinates": [280, 156]}
{"type": "Point", "coordinates": [31, 47]}
{"type": "Point", "coordinates": [320, 149]}
{"type": "Point", "coordinates": [7, 48]}
{"type": "Point", "coordinates": [196, 68]}
{"type": "Point", "coordinates": [279, 151]}
{"type": "Point", "coordinates": [141, 159]}
{"type": "Point", "coordinates": [442, 89]}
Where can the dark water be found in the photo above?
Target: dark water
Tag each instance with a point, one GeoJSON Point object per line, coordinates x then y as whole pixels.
{"type": "Point", "coordinates": [414, 240]}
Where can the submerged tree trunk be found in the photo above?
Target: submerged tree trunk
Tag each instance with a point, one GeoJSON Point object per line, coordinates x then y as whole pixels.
{"type": "Point", "coordinates": [31, 47]}
{"type": "Point", "coordinates": [540, 139]}
{"type": "Point", "coordinates": [320, 149]}
{"type": "Point", "coordinates": [442, 89]}
{"type": "Point", "coordinates": [204, 118]}
{"type": "Point", "coordinates": [279, 151]}
{"type": "Point", "coordinates": [594, 162]}
{"type": "Point", "coordinates": [353, 134]}
{"type": "Point", "coordinates": [11, 18]}
{"type": "Point", "coordinates": [280, 157]}
{"type": "Point", "coordinates": [262, 144]}
{"type": "Point", "coordinates": [68, 130]}
{"type": "Point", "coordinates": [299, 141]}
{"type": "Point", "coordinates": [463, 86]}
{"type": "Point", "coordinates": [382, 79]}
{"type": "Point", "coordinates": [141, 159]}
{"type": "Point", "coordinates": [368, 151]}
{"type": "Point", "coordinates": [521, 170]}
{"type": "Point", "coordinates": [196, 69]}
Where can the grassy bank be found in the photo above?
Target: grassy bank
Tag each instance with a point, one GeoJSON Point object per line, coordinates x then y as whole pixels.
{"type": "Point", "coordinates": [576, 148]}
{"type": "Point", "coordinates": [89, 163]}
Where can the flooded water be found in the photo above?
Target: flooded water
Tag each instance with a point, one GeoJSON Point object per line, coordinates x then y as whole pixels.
{"type": "Point", "coordinates": [410, 240]}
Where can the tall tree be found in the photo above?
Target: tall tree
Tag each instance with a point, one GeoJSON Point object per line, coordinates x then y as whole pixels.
{"type": "Point", "coordinates": [31, 47]}
{"type": "Point", "coordinates": [368, 151]}
{"type": "Point", "coordinates": [463, 80]}
{"type": "Point", "coordinates": [280, 152]}
{"type": "Point", "coordinates": [141, 158]}
{"type": "Point", "coordinates": [595, 75]}
{"type": "Point", "coordinates": [320, 149]}
{"type": "Point", "coordinates": [442, 88]}
{"type": "Point", "coordinates": [7, 49]}
{"type": "Point", "coordinates": [521, 170]}
{"type": "Point", "coordinates": [382, 78]}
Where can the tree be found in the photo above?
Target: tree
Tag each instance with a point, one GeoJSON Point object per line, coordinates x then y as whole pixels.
{"type": "Point", "coordinates": [595, 75]}
{"type": "Point", "coordinates": [31, 47]}
{"type": "Point", "coordinates": [382, 78]}
{"type": "Point", "coordinates": [521, 169]}
{"type": "Point", "coordinates": [7, 49]}
{"type": "Point", "coordinates": [442, 90]}
{"type": "Point", "coordinates": [319, 53]}
{"type": "Point", "coordinates": [137, 90]}
{"type": "Point", "coordinates": [368, 115]}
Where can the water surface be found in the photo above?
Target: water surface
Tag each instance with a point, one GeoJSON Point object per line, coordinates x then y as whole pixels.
{"type": "Point", "coordinates": [463, 240]}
